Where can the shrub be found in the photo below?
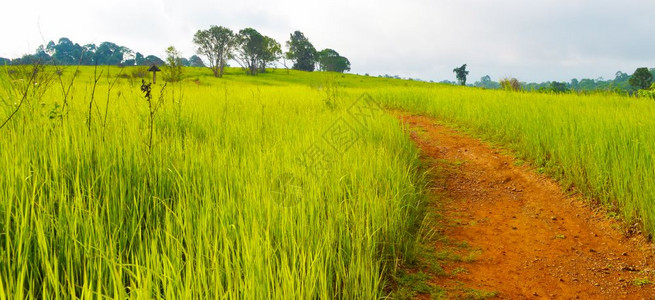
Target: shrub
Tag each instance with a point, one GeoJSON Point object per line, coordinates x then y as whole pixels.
{"type": "Point", "coordinates": [649, 93]}
{"type": "Point", "coordinates": [510, 84]}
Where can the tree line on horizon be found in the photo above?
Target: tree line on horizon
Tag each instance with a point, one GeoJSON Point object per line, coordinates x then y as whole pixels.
{"type": "Point", "coordinates": [623, 83]}
{"type": "Point", "coordinates": [253, 51]}
{"type": "Point", "coordinates": [66, 52]}
{"type": "Point", "coordinates": [639, 83]}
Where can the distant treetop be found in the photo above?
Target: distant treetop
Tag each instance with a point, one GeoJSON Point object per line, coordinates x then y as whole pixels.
{"type": "Point", "coordinates": [66, 52]}
{"type": "Point", "coordinates": [301, 52]}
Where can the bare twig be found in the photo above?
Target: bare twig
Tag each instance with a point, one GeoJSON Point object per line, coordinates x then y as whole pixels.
{"type": "Point", "coordinates": [66, 90]}
{"type": "Point", "coordinates": [22, 100]}
{"type": "Point", "coordinates": [93, 92]}
{"type": "Point", "coordinates": [111, 85]}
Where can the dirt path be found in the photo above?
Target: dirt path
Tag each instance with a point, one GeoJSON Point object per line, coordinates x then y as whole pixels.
{"type": "Point", "coordinates": [508, 230]}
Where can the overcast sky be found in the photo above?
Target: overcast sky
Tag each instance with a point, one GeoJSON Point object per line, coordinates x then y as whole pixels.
{"type": "Point", "coordinates": [533, 40]}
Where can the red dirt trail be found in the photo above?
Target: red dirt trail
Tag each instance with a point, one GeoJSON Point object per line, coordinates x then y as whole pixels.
{"type": "Point", "coordinates": [533, 240]}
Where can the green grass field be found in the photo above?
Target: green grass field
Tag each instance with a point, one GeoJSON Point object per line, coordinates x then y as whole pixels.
{"type": "Point", "coordinates": [285, 186]}
{"type": "Point", "coordinates": [603, 145]}
{"type": "Point", "coordinates": [251, 189]}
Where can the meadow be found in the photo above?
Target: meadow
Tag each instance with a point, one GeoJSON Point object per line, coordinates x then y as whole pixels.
{"type": "Point", "coordinates": [601, 145]}
{"type": "Point", "coordinates": [285, 185]}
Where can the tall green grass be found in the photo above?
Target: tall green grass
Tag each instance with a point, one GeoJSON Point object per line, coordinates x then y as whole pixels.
{"type": "Point", "coordinates": [89, 210]}
{"type": "Point", "coordinates": [603, 144]}
{"type": "Point", "coordinates": [266, 186]}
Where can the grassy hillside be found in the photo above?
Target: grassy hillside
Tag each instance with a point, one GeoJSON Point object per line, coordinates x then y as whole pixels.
{"type": "Point", "coordinates": [253, 187]}
{"type": "Point", "coordinates": [603, 144]}
{"type": "Point", "coordinates": [283, 185]}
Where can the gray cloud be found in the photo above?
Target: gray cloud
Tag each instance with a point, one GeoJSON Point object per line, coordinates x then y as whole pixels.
{"type": "Point", "coordinates": [531, 40]}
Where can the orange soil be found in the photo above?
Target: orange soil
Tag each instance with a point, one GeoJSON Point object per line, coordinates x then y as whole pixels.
{"type": "Point", "coordinates": [534, 241]}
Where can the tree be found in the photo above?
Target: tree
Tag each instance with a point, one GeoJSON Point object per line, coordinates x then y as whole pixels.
{"type": "Point", "coordinates": [65, 52]}
{"type": "Point", "coordinates": [139, 59]}
{"type": "Point", "coordinates": [196, 61]}
{"type": "Point", "coordinates": [330, 60]}
{"type": "Point", "coordinates": [249, 46]}
{"type": "Point", "coordinates": [110, 54]}
{"type": "Point", "coordinates": [216, 43]}
{"type": "Point", "coordinates": [129, 62]}
{"type": "Point", "coordinates": [254, 51]}
{"type": "Point", "coordinates": [641, 79]}
{"type": "Point", "coordinates": [153, 60]}
{"type": "Point", "coordinates": [559, 87]}
{"type": "Point", "coordinates": [620, 77]}
{"type": "Point", "coordinates": [272, 51]}
{"type": "Point", "coordinates": [89, 54]}
{"type": "Point", "coordinates": [510, 84]}
{"type": "Point", "coordinates": [173, 70]}
{"type": "Point", "coordinates": [39, 58]}
{"type": "Point", "coordinates": [301, 52]}
{"type": "Point", "coordinates": [461, 74]}
{"type": "Point", "coordinates": [50, 48]}
{"type": "Point", "coordinates": [487, 83]}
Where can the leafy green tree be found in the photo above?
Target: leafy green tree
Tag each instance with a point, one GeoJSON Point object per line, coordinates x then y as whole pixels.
{"type": "Point", "coordinates": [254, 51]}
{"type": "Point", "coordinates": [50, 48]}
{"type": "Point", "coordinates": [559, 87]}
{"type": "Point", "coordinates": [587, 84]}
{"type": "Point", "coordinates": [461, 74]}
{"type": "Point", "coordinates": [89, 54]}
{"type": "Point", "coordinates": [65, 52]}
{"type": "Point", "coordinates": [216, 43]}
{"type": "Point", "coordinates": [110, 54]}
{"type": "Point", "coordinates": [647, 93]}
{"type": "Point", "coordinates": [153, 60]}
{"type": "Point", "coordinates": [641, 79]}
{"type": "Point", "coordinates": [249, 49]}
{"type": "Point", "coordinates": [272, 51]}
{"type": "Point", "coordinates": [173, 70]}
{"type": "Point", "coordinates": [487, 83]}
{"type": "Point", "coordinates": [40, 57]}
{"type": "Point", "coordinates": [196, 61]}
{"type": "Point", "coordinates": [620, 84]}
{"type": "Point", "coordinates": [129, 59]}
{"type": "Point", "coordinates": [301, 52]}
{"type": "Point", "coordinates": [330, 60]}
{"type": "Point", "coordinates": [620, 77]}
{"type": "Point", "coordinates": [139, 59]}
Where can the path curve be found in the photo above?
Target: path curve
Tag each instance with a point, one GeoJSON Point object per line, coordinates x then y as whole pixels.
{"type": "Point", "coordinates": [534, 241]}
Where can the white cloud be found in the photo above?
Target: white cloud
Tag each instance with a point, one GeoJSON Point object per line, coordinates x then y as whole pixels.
{"type": "Point", "coordinates": [532, 40]}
